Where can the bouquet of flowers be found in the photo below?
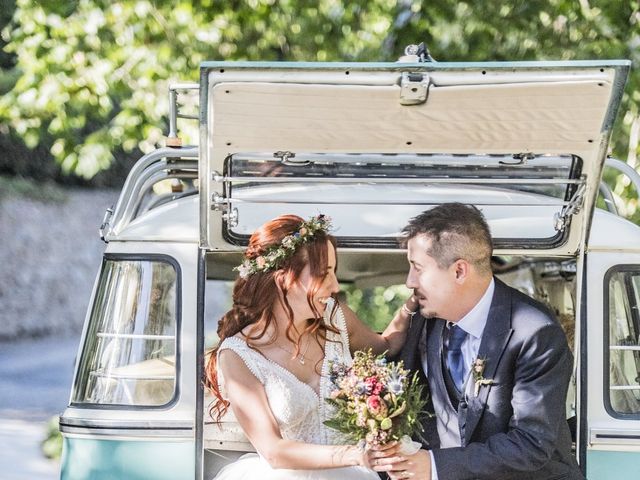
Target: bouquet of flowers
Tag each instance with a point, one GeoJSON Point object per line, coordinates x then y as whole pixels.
{"type": "Point", "coordinates": [375, 401]}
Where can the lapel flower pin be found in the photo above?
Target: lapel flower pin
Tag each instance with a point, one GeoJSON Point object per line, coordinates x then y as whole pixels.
{"type": "Point", "coordinates": [477, 370]}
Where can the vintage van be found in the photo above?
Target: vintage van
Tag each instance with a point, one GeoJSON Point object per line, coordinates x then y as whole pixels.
{"type": "Point", "coordinates": [371, 145]}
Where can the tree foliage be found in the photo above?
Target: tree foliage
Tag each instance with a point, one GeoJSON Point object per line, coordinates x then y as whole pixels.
{"type": "Point", "coordinates": [94, 73]}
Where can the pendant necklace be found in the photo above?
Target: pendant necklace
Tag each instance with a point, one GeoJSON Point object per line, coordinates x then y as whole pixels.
{"type": "Point", "coordinates": [301, 356]}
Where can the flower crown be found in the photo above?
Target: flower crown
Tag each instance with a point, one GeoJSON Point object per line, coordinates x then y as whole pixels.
{"type": "Point", "coordinates": [276, 254]}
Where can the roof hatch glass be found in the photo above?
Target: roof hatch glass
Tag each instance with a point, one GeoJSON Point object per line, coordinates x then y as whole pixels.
{"type": "Point", "coordinates": [370, 197]}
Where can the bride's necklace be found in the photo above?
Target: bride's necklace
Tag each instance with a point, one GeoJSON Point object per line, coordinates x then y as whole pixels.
{"type": "Point", "coordinates": [301, 356]}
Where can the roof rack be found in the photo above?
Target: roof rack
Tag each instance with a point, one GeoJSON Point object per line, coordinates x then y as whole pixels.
{"type": "Point", "coordinates": [624, 169]}
{"type": "Point", "coordinates": [161, 164]}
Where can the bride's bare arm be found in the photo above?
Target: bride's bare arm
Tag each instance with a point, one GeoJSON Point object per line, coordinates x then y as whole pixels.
{"type": "Point", "coordinates": [251, 408]}
{"type": "Point", "coordinates": [391, 340]}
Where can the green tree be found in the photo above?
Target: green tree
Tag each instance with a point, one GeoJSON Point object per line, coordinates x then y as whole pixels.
{"type": "Point", "coordinates": [94, 73]}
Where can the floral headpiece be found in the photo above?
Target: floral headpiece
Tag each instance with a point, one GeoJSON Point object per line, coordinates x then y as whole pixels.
{"type": "Point", "coordinates": [276, 254]}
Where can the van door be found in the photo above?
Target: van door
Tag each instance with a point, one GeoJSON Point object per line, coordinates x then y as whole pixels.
{"type": "Point", "coordinates": [610, 365]}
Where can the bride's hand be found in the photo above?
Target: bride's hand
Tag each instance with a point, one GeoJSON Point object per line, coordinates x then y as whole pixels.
{"type": "Point", "coordinates": [372, 456]}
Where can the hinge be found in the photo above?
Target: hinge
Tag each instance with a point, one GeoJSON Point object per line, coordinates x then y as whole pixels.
{"type": "Point", "coordinates": [414, 88]}
{"type": "Point", "coordinates": [220, 203]}
{"type": "Point", "coordinates": [561, 218]}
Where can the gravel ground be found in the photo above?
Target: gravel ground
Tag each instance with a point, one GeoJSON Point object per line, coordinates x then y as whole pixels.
{"type": "Point", "coordinates": [49, 256]}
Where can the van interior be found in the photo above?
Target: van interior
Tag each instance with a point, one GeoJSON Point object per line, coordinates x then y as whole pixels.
{"type": "Point", "coordinates": [373, 282]}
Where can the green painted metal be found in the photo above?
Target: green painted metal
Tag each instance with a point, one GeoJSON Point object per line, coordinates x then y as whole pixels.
{"type": "Point", "coordinates": [611, 465]}
{"type": "Point", "coordinates": [93, 459]}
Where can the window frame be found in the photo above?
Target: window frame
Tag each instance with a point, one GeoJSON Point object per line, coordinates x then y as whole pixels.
{"type": "Point", "coordinates": [157, 257]}
{"type": "Point", "coordinates": [620, 268]}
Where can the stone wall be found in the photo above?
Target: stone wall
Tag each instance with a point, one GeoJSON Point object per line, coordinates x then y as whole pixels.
{"type": "Point", "coordinates": [50, 254]}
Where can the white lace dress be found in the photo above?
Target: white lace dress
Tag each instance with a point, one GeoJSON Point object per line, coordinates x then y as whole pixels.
{"type": "Point", "coordinates": [298, 409]}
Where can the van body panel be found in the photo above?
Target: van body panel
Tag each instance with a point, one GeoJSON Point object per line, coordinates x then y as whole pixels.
{"type": "Point", "coordinates": [94, 459]}
{"type": "Point", "coordinates": [602, 237]}
{"type": "Point", "coordinates": [173, 222]}
{"type": "Point", "coordinates": [612, 465]}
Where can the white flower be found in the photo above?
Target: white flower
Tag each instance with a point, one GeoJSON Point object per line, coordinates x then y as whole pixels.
{"type": "Point", "coordinates": [244, 270]}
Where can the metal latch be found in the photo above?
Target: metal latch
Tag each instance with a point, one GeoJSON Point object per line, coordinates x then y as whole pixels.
{"type": "Point", "coordinates": [219, 203]}
{"type": "Point", "coordinates": [287, 158]}
{"type": "Point", "coordinates": [104, 226]}
{"type": "Point", "coordinates": [414, 88]}
{"type": "Point", "coordinates": [561, 218]}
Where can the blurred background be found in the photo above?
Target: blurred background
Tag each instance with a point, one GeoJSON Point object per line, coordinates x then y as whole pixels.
{"type": "Point", "coordinates": [83, 94]}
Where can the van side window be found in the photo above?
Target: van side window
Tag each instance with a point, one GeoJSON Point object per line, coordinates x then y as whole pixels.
{"type": "Point", "coordinates": [129, 354]}
{"type": "Point", "coordinates": [624, 340]}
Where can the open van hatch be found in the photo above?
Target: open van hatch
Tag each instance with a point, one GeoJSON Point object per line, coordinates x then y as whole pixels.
{"type": "Point", "coordinates": [522, 140]}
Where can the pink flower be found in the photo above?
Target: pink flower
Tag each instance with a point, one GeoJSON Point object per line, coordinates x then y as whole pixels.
{"type": "Point", "coordinates": [260, 261]}
{"type": "Point", "coordinates": [302, 231]}
{"type": "Point", "coordinates": [374, 386]}
{"type": "Point", "coordinates": [376, 406]}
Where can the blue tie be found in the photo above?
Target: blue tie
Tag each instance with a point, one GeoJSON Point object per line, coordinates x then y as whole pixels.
{"type": "Point", "coordinates": [455, 361]}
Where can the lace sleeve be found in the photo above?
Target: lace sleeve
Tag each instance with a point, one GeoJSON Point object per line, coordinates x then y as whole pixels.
{"type": "Point", "coordinates": [339, 322]}
{"type": "Point", "coordinates": [245, 353]}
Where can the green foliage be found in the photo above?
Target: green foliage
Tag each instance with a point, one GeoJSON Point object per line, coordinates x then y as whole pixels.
{"type": "Point", "coordinates": [376, 306]}
{"type": "Point", "coordinates": [94, 73]}
{"type": "Point", "coordinates": [7, 8]}
{"type": "Point", "coordinates": [52, 444]}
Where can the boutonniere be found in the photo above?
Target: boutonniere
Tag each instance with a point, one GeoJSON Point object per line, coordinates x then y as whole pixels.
{"type": "Point", "coordinates": [477, 369]}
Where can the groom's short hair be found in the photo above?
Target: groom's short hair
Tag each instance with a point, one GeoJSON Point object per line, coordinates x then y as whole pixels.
{"type": "Point", "coordinates": [456, 231]}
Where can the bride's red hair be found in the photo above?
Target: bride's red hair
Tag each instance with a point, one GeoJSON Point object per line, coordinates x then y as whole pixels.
{"type": "Point", "coordinates": [255, 295]}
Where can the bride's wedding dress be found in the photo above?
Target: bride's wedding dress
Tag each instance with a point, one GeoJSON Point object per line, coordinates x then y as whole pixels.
{"type": "Point", "coordinates": [298, 409]}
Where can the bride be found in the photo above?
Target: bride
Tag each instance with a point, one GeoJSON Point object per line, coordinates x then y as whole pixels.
{"type": "Point", "coordinates": [275, 346]}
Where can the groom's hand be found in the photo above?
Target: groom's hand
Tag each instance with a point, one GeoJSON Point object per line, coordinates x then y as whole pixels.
{"type": "Point", "coordinates": [417, 466]}
{"type": "Point", "coordinates": [388, 451]}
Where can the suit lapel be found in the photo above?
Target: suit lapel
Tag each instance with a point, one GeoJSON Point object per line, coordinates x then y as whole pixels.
{"type": "Point", "coordinates": [494, 341]}
{"type": "Point", "coordinates": [410, 353]}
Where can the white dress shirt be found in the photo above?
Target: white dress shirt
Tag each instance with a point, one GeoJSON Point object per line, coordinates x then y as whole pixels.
{"type": "Point", "coordinates": [473, 324]}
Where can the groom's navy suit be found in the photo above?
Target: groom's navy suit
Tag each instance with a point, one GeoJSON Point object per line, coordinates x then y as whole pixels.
{"type": "Point", "coordinates": [516, 427]}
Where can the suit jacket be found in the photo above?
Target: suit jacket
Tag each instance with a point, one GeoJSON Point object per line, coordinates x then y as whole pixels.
{"type": "Point", "coordinates": [516, 427]}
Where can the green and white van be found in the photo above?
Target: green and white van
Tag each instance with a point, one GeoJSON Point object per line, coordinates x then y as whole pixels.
{"type": "Point", "coordinates": [370, 145]}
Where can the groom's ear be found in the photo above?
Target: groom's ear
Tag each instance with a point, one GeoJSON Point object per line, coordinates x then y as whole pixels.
{"type": "Point", "coordinates": [462, 268]}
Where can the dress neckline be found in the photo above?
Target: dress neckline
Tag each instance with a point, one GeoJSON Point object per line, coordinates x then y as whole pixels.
{"type": "Point", "coordinates": [289, 372]}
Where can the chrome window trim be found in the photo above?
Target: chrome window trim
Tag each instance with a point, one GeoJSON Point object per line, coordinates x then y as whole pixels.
{"type": "Point", "coordinates": [606, 343]}
{"type": "Point", "coordinates": [161, 257]}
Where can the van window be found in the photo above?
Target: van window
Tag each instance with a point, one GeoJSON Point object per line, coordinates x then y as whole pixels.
{"type": "Point", "coordinates": [129, 355]}
{"type": "Point", "coordinates": [624, 341]}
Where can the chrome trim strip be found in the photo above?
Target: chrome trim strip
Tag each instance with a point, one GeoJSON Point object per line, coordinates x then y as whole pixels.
{"type": "Point", "coordinates": [601, 436]}
{"type": "Point", "coordinates": [126, 424]}
{"type": "Point", "coordinates": [400, 180]}
{"type": "Point", "coordinates": [126, 433]}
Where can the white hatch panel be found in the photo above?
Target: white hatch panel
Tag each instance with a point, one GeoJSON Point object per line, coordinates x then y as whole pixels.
{"type": "Point", "coordinates": [374, 144]}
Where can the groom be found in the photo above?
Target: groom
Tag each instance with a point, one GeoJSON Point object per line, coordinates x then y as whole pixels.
{"type": "Point", "coordinates": [496, 362]}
